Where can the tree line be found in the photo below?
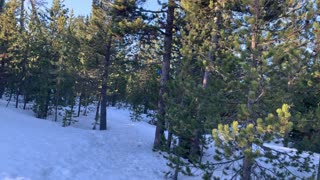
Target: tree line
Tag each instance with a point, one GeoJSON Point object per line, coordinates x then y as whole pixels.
{"type": "Point", "coordinates": [244, 72]}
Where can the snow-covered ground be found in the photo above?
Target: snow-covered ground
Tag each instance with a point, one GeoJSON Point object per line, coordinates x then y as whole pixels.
{"type": "Point", "coordinates": [37, 149]}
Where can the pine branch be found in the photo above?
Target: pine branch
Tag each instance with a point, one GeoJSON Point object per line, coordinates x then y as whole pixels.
{"type": "Point", "coordinates": [227, 162]}
{"type": "Point", "coordinates": [285, 154]}
{"type": "Point", "coordinates": [236, 174]}
{"type": "Point", "coordinates": [264, 169]}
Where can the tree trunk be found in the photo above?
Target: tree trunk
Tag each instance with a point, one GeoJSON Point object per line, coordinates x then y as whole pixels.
{"type": "Point", "coordinates": [195, 150]}
{"type": "Point", "coordinates": [159, 140]}
{"type": "Point", "coordinates": [56, 107]}
{"type": "Point", "coordinates": [22, 16]}
{"type": "Point", "coordinates": [85, 110]}
{"type": "Point", "coordinates": [79, 107]}
{"type": "Point", "coordinates": [46, 105]}
{"type": "Point", "coordinates": [17, 98]}
{"type": "Point", "coordinates": [25, 101]}
{"type": "Point", "coordinates": [318, 174]}
{"type": "Point", "coordinates": [103, 110]}
{"type": "Point", "coordinates": [176, 171]}
{"type": "Point", "coordinates": [10, 97]}
{"type": "Point", "coordinates": [96, 118]}
{"type": "Point", "coordinates": [247, 161]}
{"type": "Point", "coordinates": [2, 78]}
{"type": "Point", "coordinates": [1, 88]}
{"type": "Point", "coordinates": [246, 169]}
{"type": "Point", "coordinates": [85, 104]}
{"type": "Point", "coordinates": [169, 142]}
{"type": "Point", "coordinates": [70, 120]}
{"type": "Point", "coordinates": [104, 87]}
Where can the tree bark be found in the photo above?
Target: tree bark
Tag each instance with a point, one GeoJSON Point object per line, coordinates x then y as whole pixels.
{"type": "Point", "coordinates": [96, 118]}
{"type": "Point", "coordinates": [246, 169]}
{"type": "Point", "coordinates": [318, 173]}
{"type": "Point", "coordinates": [25, 101]}
{"type": "Point", "coordinates": [1, 87]}
{"type": "Point", "coordinates": [56, 101]}
{"type": "Point", "coordinates": [22, 16]}
{"type": "Point", "coordinates": [79, 107]}
{"type": "Point", "coordinates": [17, 98]}
{"type": "Point", "coordinates": [2, 74]}
{"type": "Point", "coordinates": [104, 87]}
{"type": "Point", "coordinates": [10, 97]}
{"type": "Point", "coordinates": [159, 140]}
{"type": "Point", "coordinates": [169, 142]}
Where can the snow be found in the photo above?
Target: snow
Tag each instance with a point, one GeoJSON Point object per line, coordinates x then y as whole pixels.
{"type": "Point", "coordinates": [36, 149]}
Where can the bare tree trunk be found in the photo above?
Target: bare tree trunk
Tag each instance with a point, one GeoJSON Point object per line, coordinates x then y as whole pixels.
{"type": "Point", "coordinates": [85, 104]}
{"type": "Point", "coordinates": [97, 114]}
{"type": "Point", "coordinates": [46, 108]}
{"type": "Point", "coordinates": [159, 140]}
{"type": "Point", "coordinates": [17, 98]}
{"type": "Point", "coordinates": [22, 16]}
{"type": "Point", "coordinates": [56, 109]}
{"type": "Point", "coordinates": [195, 150]}
{"type": "Point", "coordinates": [246, 169]}
{"type": "Point", "coordinates": [79, 107]}
{"type": "Point", "coordinates": [176, 171]}
{"type": "Point", "coordinates": [71, 115]}
{"type": "Point", "coordinates": [10, 97]}
{"type": "Point", "coordinates": [103, 113]}
{"type": "Point", "coordinates": [1, 87]}
{"type": "Point", "coordinates": [318, 173]}
{"type": "Point", "coordinates": [25, 101]}
{"type": "Point", "coordinates": [85, 111]}
{"type": "Point", "coordinates": [169, 142]}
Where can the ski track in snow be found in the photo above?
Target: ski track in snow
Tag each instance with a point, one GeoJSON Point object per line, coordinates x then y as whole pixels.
{"type": "Point", "coordinates": [36, 149]}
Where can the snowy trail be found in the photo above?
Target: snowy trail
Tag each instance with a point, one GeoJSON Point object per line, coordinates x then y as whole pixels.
{"type": "Point", "coordinates": [37, 149]}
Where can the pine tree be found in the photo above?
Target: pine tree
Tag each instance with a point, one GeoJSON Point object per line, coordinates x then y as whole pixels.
{"type": "Point", "coordinates": [41, 86]}
{"type": "Point", "coordinates": [8, 37]}
{"type": "Point", "coordinates": [111, 22]}
{"type": "Point", "coordinates": [197, 103]}
{"type": "Point", "coordinates": [159, 140]}
{"type": "Point", "coordinates": [257, 37]}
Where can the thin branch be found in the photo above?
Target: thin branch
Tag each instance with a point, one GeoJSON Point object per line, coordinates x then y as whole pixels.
{"type": "Point", "coordinates": [226, 162]}
{"type": "Point", "coordinates": [151, 11]}
{"type": "Point", "coordinates": [260, 96]}
{"type": "Point", "coordinates": [236, 174]}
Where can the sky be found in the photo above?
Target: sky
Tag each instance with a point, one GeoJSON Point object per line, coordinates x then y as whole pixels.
{"type": "Point", "coordinates": [83, 7]}
{"type": "Point", "coordinates": [80, 7]}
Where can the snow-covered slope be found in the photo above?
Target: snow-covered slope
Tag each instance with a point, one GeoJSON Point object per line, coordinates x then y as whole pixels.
{"type": "Point", "coordinates": [38, 149]}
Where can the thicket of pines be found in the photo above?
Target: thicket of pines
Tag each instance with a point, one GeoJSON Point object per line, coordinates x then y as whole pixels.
{"type": "Point", "coordinates": [237, 73]}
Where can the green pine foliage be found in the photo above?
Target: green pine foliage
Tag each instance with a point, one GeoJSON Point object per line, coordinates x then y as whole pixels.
{"type": "Point", "coordinates": [233, 141]}
{"type": "Point", "coordinates": [193, 66]}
